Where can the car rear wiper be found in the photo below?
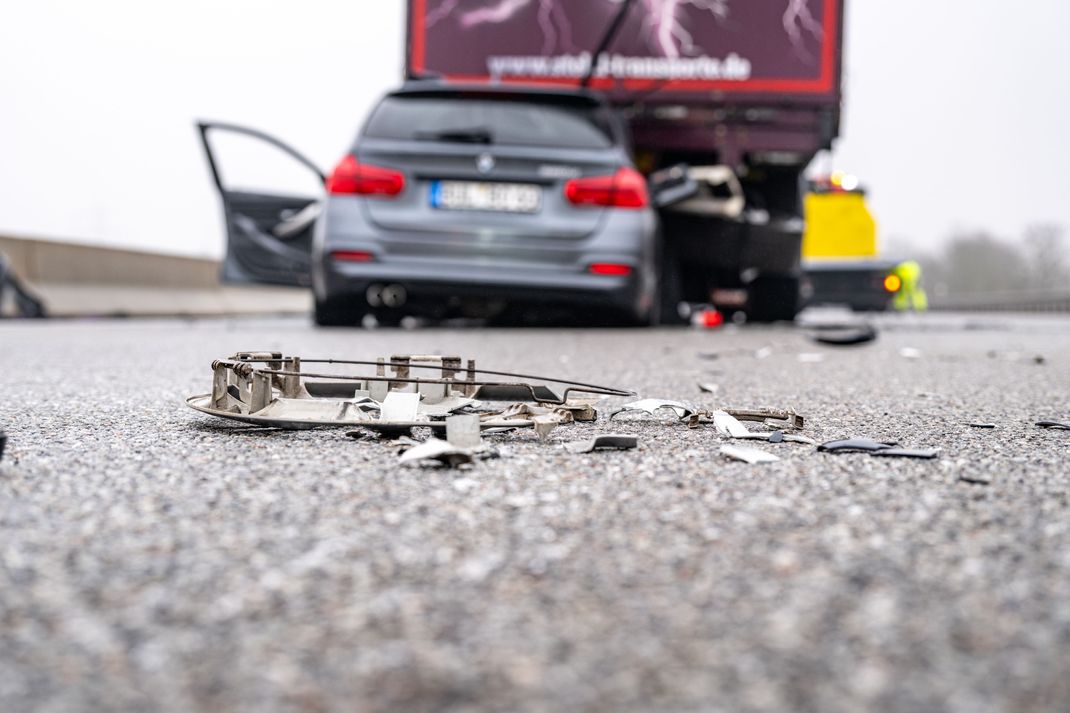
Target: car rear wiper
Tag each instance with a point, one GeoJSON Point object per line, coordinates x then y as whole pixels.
{"type": "Point", "coordinates": [474, 135]}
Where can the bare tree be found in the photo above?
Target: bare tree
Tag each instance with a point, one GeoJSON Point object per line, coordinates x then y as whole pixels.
{"type": "Point", "coordinates": [977, 263]}
{"type": "Point", "coordinates": [1046, 257]}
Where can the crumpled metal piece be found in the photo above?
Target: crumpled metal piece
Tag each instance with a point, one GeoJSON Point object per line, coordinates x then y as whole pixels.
{"type": "Point", "coordinates": [1059, 425]}
{"type": "Point", "coordinates": [438, 450]}
{"type": "Point", "coordinates": [768, 415]}
{"type": "Point", "coordinates": [681, 409]}
{"type": "Point", "coordinates": [748, 455]}
{"type": "Point", "coordinates": [544, 419]}
{"type": "Point", "coordinates": [855, 445]}
{"type": "Point", "coordinates": [609, 441]}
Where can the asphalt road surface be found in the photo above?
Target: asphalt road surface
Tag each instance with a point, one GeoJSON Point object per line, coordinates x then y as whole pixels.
{"type": "Point", "coordinates": [155, 559]}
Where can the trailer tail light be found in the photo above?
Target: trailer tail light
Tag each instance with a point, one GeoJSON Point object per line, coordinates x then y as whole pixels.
{"type": "Point", "coordinates": [609, 268]}
{"type": "Point", "coordinates": [892, 283]}
{"type": "Point", "coordinates": [624, 189]}
{"type": "Point", "coordinates": [352, 178]}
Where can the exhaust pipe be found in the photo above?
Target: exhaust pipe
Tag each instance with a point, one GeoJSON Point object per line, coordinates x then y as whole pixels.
{"type": "Point", "coordinates": [393, 296]}
{"type": "Point", "coordinates": [374, 295]}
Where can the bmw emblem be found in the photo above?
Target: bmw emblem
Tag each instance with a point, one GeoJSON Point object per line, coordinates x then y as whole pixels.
{"type": "Point", "coordinates": [485, 163]}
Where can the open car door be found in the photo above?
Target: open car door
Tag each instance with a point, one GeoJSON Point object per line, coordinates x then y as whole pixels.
{"type": "Point", "coordinates": [269, 235]}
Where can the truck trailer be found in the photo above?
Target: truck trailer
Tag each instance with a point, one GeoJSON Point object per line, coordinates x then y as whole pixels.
{"type": "Point", "coordinates": [726, 103]}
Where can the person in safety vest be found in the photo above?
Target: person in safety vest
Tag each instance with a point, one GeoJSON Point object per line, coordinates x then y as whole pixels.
{"type": "Point", "coordinates": [910, 294]}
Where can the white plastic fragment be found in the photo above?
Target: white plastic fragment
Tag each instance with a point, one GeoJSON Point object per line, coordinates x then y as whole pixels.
{"type": "Point", "coordinates": [728, 425]}
{"type": "Point", "coordinates": [910, 353]}
{"type": "Point", "coordinates": [400, 407]}
{"type": "Point", "coordinates": [748, 455]}
{"type": "Point", "coordinates": [462, 430]}
{"type": "Point", "coordinates": [436, 449]}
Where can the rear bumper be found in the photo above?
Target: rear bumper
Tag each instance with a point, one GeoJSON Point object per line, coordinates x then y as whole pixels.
{"type": "Point", "coordinates": [433, 286]}
{"type": "Point", "coordinates": [439, 270]}
{"type": "Point", "coordinates": [859, 285]}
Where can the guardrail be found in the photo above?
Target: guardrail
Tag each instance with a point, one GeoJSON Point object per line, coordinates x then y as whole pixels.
{"type": "Point", "coordinates": [1009, 301]}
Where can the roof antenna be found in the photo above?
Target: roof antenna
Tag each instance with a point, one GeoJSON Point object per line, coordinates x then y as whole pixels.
{"type": "Point", "coordinates": [607, 39]}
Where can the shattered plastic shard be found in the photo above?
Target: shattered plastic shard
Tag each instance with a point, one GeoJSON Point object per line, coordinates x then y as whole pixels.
{"type": "Point", "coordinates": [611, 441]}
{"type": "Point", "coordinates": [681, 409]}
{"type": "Point", "coordinates": [981, 425]}
{"type": "Point", "coordinates": [1054, 424]}
{"type": "Point", "coordinates": [728, 425]}
{"type": "Point", "coordinates": [855, 445]}
{"type": "Point", "coordinates": [462, 430]}
{"type": "Point", "coordinates": [907, 452]}
{"type": "Point", "coordinates": [3, 444]}
{"type": "Point", "coordinates": [709, 388]}
{"type": "Point", "coordinates": [748, 455]}
{"type": "Point", "coordinates": [438, 450]}
{"type": "Point", "coordinates": [400, 407]}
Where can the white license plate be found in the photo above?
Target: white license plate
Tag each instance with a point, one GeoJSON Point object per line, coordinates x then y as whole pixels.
{"type": "Point", "coordinates": [472, 195]}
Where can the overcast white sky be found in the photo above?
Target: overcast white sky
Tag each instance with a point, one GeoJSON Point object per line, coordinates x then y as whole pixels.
{"type": "Point", "coordinates": [957, 111]}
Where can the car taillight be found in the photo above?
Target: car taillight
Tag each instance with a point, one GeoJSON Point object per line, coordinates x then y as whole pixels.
{"type": "Point", "coordinates": [609, 268]}
{"type": "Point", "coordinates": [352, 256]}
{"type": "Point", "coordinates": [892, 283]}
{"type": "Point", "coordinates": [624, 189]}
{"type": "Point", "coordinates": [352, 178]}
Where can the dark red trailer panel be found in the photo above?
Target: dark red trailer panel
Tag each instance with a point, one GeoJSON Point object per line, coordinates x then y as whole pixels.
{"type": "Point", "coordinates": [724, 51]}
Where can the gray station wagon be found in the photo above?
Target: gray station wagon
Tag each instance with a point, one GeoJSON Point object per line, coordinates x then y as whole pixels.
{"type": "Point", "coordinates": [467, 201]}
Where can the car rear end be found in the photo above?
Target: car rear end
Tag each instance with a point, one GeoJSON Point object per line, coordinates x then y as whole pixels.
{"type": "Point", "coordinates": [465, 201]}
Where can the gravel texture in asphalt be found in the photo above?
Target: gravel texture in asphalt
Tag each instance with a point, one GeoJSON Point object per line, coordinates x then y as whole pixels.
{"type": "Point", "coordinates": [155, 559]}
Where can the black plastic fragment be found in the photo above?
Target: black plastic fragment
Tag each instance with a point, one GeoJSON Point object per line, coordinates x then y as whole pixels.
{"type": "Point", "coordinates": [1054, 424]}
{"type": "Point", "coordinates": [981, 425]}
{"type": "Point", "coordinates": [845, 336]}
{"type": "Point", "coordinates": [907, 452]}
{"type": "Point", "coordinates": [855, 445]}
{"type": "Point", "coordinates": [3, 443]}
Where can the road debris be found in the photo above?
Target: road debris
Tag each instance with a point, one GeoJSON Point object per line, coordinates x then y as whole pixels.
{"type": "Point", "coordinates": [709, 388]}
{"type": "Point", "coordinates": [769, 416]}
{"type": "Point", "coordinates": [779, 437]}
{"type": "Point", "coordinates": [728, 425]}
{"type": "Point", "coordinates": [855, 445]}
{"type": "Point", "coordinates": [888, 449]}
{"type": "Point", "coordinates": [810, 357]}
{"type": "Point", "coordinates": [609, 441]}
{"type": "Point", "coordinates": [1059, 425]}
{"type": "Point", "coordinates": [270, 389]}
{"type": "Point", "coordinates": [462, 430]}
{"type": "Point", "coordinates": [748, 455]}
{"type": "Point", "coordinates": [910, 353]}
{"type": "Point", "coordinates": [3, 443]}
{"type": "Point", "coordinates": [975, 479]}
{"type": "Point", "coordinates": [434, 449]}
{"type": "Point", "coordinates": [840, 335]}
{"type": "Point", "coordinates": [981, 425]}
{"type": "Point", "coordinates": [682, 410]}
{"type": "Point", "coordinates": [906, 452]}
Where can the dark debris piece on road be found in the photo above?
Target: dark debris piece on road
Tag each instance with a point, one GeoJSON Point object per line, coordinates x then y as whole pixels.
{"type": "Point", "coordinates": [1057, 425]}
{"type": "Point", "coordinates": [609, 441]}
{"type": "Point", "coordinates": [855, 445]}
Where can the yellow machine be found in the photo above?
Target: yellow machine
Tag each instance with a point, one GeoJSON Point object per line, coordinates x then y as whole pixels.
{"type": "Point", "coordinates": [841, 256]}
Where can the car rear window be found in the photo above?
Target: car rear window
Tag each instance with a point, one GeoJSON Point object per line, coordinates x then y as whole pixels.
{"type": "Point", "coordinates": [494, 121]}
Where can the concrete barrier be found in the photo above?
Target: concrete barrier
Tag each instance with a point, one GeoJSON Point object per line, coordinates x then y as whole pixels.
{"type": "Point", "coordinates": [85, 280]}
